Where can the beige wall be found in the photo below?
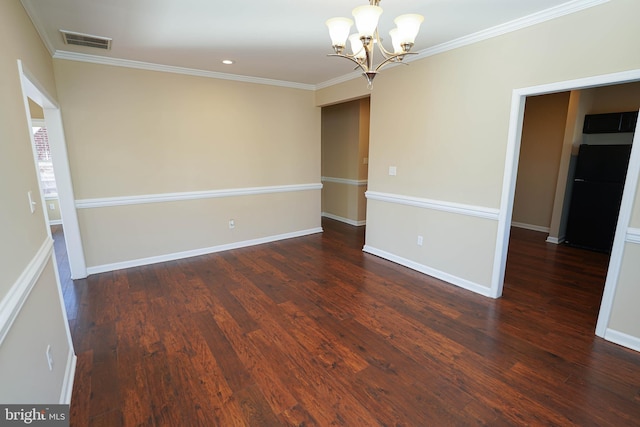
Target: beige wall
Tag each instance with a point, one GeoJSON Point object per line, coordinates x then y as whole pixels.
{"type": "Point", "coordinates": [40, 321]}
{"type": "Point", "coordinates": [53, 209]}
{"type": "Point", "coordinates": [35, 110]}
{"type": "Point", "coordinates": [455, 113]}
{"type": "Point", "coordinates": [140, 133]}
{"type": "Point", "coordinates": [614, 98]}
{"type": "Point", "coordinates": [345, 152]}
{"type": "Point", "coordinates": [540, 150]}
{"type": "Point", "coordinates": [16, 162]}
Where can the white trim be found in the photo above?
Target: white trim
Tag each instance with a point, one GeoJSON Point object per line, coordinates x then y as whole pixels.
{"type": "Point", "coordinates": [197, 252]}
{"type": "Point", "coordinates": [37, 24]}
{"type": "Point", "coordinates": [353, 222]}
{"type": "Point", "coordinates": [69, 376]}
{"type": "Point", "coordinates": [38, 122]}
{"type": "Point", "coordinates": [531, 227]}
{"type": "Point", "coordinates": [508, 27]}
{"type": "Point", "coordinates": [499, 30]}
{"type": "Point", "coordinates": [13, 301]}
{"type": "Point", "coordinates": [633, 235]}
{"type": "Point", "coordinates": [190, 195]}
{"type": "Point", "coordinates": [127, 63]}
{"type": "Point", "coordinates": [55, 222]}
{"type": "Point", "coordinates": [449, 278]}
{"type": "Point", "coordinates": [554, 240]}
{"type": "Point", "coordinates": [518, 99]}
{"type": "Point", "coordinates": [622, 77]}
{"type": "Point", "coordinates": [340, 79]}
{"type": "Point", "coordinates": [33, 89]}
{"type": "Point", "coordinates": [439, 205]}
{"type": "Point", "coordinates": [622, 339]}
{"type": "Point", "coordinates": [620, 236]}
{"type": "Point", "coordinates": [356, 182]}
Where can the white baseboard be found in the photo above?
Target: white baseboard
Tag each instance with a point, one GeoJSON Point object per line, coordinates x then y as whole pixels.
{"type": "Point", "coordinates": [622, 339]}
{"type": "Point", "coordinates": [449, 278]}
{"type": "Point", "coordinates": [555, 240]}
{"type": "Point", "coordinates": [345, 220]}
{"type": "Point", "coordinates": [530, 227]}
{"type": "Point", "coordinates": [197, 252]}
{"type": "Point", "coordinates": [69, 375]}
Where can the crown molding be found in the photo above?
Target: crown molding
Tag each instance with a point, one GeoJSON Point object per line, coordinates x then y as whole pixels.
{"type": "Point", "coordinates": [37, 25]}
{"type": "Point", "coordinates": [345, 78]}
{"type": "Point", "coordinates": [128, 63]}
{"type": "Point", "coordinates": [498, 30]}
{"type": "Point", "coordinates": [508, 27]}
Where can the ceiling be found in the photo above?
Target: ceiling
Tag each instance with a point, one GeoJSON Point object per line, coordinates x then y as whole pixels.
{"type": "Point", "coordinates": [284, 40]}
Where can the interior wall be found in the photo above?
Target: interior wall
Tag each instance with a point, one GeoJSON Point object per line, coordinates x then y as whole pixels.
{"type": "Point", "coordinates": [543, 132]}
{"type": "Point", "coordinates": [31, 311]}
{"type": "Point", "coordinates": [614, 98]}
{"type": "Point", "coordinates": [363, 158]}
{"type": "Point", "coordinates": [345, 151]}
{"type": "Point", "coordinates": [203, 151]}
{"type": "Point", "coordinates": [450, 151]}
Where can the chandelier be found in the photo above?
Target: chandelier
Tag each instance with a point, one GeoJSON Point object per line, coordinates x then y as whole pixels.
{"type": "Point", "coordinates": [366, 17]}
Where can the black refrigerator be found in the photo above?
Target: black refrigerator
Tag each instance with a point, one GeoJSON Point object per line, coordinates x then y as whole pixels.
{"type": "Point", "coordinates": [596, 196]}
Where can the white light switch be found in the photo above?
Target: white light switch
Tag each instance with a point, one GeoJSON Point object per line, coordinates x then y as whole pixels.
{"type": "Point", "coordinates": [32, 204]}
{"type": "Point", "coordinates": [392, 170]}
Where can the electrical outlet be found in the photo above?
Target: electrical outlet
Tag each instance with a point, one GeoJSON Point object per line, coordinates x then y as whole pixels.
{"type": "Point", "coordinates": [49, 357]}
{"type": "Point", "coordinates": [232, 224]}
{"type": "Point", "coordinates": [419, 240]}
{"type": "Point", "coordinates": [52, 206]}
{"type": "Point", "coordinates": [392, 170]}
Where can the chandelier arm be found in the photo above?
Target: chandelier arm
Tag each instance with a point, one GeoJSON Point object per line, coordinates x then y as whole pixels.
{"type": "Point", "coordinates": [393, 59]}
{"type": "Point", "coordinates": [351, 58]}
{"type": "Point", "coordinates": [385, 53]}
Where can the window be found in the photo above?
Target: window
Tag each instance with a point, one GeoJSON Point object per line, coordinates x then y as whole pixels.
{"type": "Point", "coordinates": [45, 165]}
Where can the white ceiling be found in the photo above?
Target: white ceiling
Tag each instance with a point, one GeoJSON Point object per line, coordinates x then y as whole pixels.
{"type": "Point", "coordinates": [284, 40]}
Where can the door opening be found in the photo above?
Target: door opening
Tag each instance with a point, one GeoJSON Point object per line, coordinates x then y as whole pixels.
{"type": "Point", "coordinates": [508, 192]}
{"type": "Point", "coordinates": [32, 90]}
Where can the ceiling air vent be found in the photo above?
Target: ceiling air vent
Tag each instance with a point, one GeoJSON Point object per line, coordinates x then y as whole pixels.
{"type": "Point", "coordinates": [79, 39]}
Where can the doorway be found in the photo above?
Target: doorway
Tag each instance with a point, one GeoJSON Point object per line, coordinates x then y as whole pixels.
{"type": "Point", "coordinates": [519, 97]}
{"type": "Point", "coordinates": [345, 161]}
{"type": "Point", "coordinates": [33, 91]}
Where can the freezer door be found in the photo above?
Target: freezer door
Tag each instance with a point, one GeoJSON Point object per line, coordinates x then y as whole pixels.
{"type": "Point", "coordinates": [593, 214]}
{"type": "Point", "coordinates": [604, 163]}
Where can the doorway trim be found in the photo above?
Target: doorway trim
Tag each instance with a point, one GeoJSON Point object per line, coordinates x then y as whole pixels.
{"type": "Point", "coordinates": [31, 88]}
{"type": "Point", "coordinates": [518, 99]}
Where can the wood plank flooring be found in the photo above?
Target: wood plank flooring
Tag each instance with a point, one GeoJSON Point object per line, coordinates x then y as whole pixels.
{"type": "Point", "coordinates": [313, 332]}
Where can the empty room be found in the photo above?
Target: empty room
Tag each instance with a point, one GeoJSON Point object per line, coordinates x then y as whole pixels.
{"type": "Point", "coordinates": [228, 214]}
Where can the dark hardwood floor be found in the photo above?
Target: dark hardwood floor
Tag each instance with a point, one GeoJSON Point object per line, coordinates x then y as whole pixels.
{"type": "Point", "coordinates": [313, 332]}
